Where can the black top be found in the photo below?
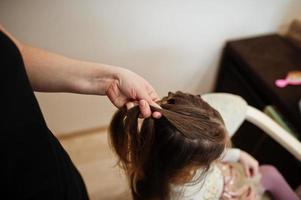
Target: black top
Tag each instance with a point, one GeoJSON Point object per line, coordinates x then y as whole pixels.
{"type": "Point", "coordinates": [33, 164]}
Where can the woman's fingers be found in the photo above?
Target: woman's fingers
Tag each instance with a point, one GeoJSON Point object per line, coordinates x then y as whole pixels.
{"type": "Point", "coordinates": [130, 105]}
{"type": "Point", "coordinates": [157, 115]}
{"type": "Point", "coordinates": [144, 109]}
{"type": "Point", "coordinates": [148, 99]}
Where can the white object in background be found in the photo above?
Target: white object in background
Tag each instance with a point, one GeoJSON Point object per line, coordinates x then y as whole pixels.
{"type": "Point", "coordinates": [232, 108]}
{"type": "Point", "coordinates": [275, 131]}
{"type": "Point", "coordinates": [235, 110]}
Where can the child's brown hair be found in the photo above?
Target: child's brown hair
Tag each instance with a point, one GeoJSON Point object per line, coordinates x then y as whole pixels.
{"type": "Point", "coordinates": [189, 133]}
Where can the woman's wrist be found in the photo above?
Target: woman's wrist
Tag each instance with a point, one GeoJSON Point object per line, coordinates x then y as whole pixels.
{"type": "Point", "coordinates": [94, 78]}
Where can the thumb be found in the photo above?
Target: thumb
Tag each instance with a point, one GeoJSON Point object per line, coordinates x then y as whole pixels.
{"type": "Point", "coordinates": [156, 114]}
{"type": "Point", "coordinates": [145, 110]}
{"type": "Point", "coordinates": [154, 104]}
{"type": "Point", "coordinates": [149, 98]}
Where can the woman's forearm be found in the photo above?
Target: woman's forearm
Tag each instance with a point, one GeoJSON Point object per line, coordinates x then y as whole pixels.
{"type": "Point", "coordinates": [50, 72]}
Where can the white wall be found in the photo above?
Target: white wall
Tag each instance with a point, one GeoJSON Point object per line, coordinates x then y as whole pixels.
{"type": "Point", "coordinates": [174, 44]}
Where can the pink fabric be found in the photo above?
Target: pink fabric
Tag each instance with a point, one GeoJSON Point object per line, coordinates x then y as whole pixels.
{"type": "Point", "coordinates": [275, 184]}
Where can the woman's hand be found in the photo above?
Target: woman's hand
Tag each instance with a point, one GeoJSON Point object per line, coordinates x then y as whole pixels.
{"type": "Point", "coordinates": [249, 164]}
{"type": "Point", "coordinates": [50, 72]}
{"type": "Point", "coordinates": [130, 89]}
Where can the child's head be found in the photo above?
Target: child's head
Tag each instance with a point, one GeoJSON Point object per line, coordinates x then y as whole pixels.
{"type": "Point", "coordinates": [190, 134]}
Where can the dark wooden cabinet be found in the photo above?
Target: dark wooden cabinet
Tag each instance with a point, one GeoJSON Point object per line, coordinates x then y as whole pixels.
{"type": "Point", "coordinates": [249, 68]}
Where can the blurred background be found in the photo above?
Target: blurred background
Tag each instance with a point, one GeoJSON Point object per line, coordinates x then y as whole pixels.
{"type": "Point", "coordinates": [174, 44]}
